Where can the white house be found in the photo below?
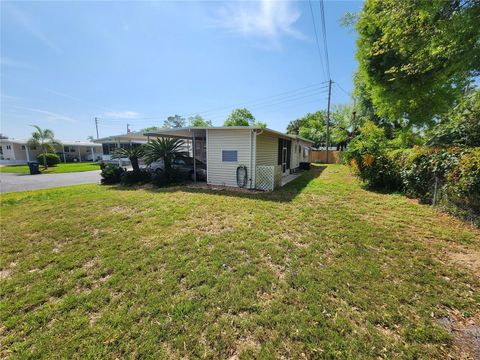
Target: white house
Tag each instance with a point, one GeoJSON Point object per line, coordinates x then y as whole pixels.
{"type": "Point", "coordinates": [16, 151]}
{"type": "Point", "coordinates": [267, 155]}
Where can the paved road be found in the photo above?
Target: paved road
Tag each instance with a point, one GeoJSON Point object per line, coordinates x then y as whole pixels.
{"type": "Point", "coordinates": [18, 182]}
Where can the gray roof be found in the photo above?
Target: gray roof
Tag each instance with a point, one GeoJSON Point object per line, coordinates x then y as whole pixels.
{"type": "Point", "coordinates": [186, 131]}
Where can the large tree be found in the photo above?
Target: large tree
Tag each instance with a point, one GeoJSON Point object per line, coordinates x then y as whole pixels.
{"type": "Point", "coordinates": [199, 121]}
{"type": "Point", "coordinates": [416, 57]}
{"type": "Point", "coordinates": [175, 121]}
{"type": "Point", "coordinates": [45, 139]}
{"type": "Point", "coordinates": [242, 117]}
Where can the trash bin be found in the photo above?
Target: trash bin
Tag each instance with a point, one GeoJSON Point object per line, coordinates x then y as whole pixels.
{"type": "Point", "coordinates": [304, 166]}
{"type": "Point", "coordinates": [34, 167]}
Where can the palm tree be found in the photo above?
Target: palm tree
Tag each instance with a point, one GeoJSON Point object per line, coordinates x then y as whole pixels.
{"type": "Point", "coordinates": [163, 148]}
{"type": "Point", "coordinates": [133, 153]}
{"type": "Point", "coordinates": [45, 139]}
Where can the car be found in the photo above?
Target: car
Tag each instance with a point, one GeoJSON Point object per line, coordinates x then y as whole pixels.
{"type": "Point", "coordinates": [67, 157]}
{"type": "Point", "coordinates": [183, 165]}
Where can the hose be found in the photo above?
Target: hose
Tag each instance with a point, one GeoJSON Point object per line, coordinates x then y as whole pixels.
{"type": "Point", "coordinates": [242, 177]}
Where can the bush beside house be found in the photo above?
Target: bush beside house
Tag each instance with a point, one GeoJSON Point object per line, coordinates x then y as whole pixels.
{"type": "Point", "coordinates": [448, 176]}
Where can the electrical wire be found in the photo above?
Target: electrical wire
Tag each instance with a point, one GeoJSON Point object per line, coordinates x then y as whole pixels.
{"type": "Point", "coordinates": [325, 46]}
{"type": "Point", "coordinates": [316, 38]}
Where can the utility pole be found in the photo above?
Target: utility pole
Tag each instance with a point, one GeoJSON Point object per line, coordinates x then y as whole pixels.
{"type": "Point", "coordinates": [328, 115]}
{"type": "Point", "coordinates": [128, 128]}
{"type": "Point", "coordinates": [96, 125]}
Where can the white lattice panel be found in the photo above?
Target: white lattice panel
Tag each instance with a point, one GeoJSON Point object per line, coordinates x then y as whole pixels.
{"type": "Point", "coordinates": [265, 178]}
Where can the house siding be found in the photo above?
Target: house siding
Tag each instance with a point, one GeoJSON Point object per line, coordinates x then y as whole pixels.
{"type": "Point", "coordinates": [267, 149]}
{"type": "Point", "coordinates": [225, 173]}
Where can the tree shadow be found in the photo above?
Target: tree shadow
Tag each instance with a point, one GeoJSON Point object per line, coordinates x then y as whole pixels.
{"type": "Point", "coordinates": [284, 194]}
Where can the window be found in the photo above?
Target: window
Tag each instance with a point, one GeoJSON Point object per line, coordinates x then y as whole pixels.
{"type": "Point", "coordinates": [9, 147]}
{"type": "Point", "coordinates": [229, 156]}
{"type": "Point", "coordinates": [299, 150]}
{"type": "Point", "coordinates": [108, 148]}
{"type": "Point", "coordinates": [23, 147]}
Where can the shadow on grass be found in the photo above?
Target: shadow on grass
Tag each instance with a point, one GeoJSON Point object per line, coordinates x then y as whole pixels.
{"type": "Point", "coordinates": [283, 194]}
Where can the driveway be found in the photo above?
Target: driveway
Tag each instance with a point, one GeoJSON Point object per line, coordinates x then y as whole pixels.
{"type": "Point", "coordinates": [18, 182]}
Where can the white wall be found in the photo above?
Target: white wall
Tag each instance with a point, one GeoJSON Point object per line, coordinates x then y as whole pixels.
{"type": "Point", "coordinates": [225, 173]}
{"type": "Point", "coordinates": [267, 149]}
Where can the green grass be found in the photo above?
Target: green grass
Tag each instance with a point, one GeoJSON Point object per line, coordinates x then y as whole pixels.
{"type": "Point", "coordinates": [60, 168]}
{"type": "Point", "coordinates": [319, 269]}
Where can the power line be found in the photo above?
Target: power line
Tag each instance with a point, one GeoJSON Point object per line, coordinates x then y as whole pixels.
{"type": "Point", "coordinates": [325, 46]}
{"type": "Point", "coordinates": [316, 38]}
{"type": "Point", "coordinates": [341, 88]}
{"type": "Point", "coordinates": [266, 101]}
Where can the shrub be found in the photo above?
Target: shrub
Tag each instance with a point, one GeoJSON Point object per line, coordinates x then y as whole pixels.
{"type": "Point", "coordinates": [462, 188]}
{"type": "Point", "coordinates": [168, 178]}
{"type": "Point", "coordinates": [52, 159]}
{"type": "Point", "coordinates": [422, 167]}
{"type": "Point", "coordinates": [134, 177]}
{"type": "Point", "coordinates": [367, 154]}
{"type": "Point", "coordinates": [111, 174]}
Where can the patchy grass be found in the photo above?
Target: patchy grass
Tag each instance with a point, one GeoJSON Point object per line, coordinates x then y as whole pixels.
{"type": "Point", "coordinates": [319, 269]}
{"type": "Point", "coordinates": [59, 168]}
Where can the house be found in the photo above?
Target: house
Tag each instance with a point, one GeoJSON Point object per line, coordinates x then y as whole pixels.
{"type": "Point", "coordinates": [269, 157]}
{"type": "Point", "coordinates": [16, 151]}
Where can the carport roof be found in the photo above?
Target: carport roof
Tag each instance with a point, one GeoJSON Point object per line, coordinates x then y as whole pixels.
{"type": "Point", "coordinates": [187, 132]}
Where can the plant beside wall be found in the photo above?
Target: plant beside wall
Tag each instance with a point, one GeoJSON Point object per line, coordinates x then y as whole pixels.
{"type": "Point", "coordinates": [112, 174]}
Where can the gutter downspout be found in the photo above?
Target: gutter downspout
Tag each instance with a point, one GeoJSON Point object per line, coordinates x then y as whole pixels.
{"type": "Point", "coordinates": [255, 156]}
{"type": "Point", "coordinates": [251, 159]}
{"type": "Point", "coordinates": [26, 151]}
{"type": "Point", "coordinates": [194, 159]}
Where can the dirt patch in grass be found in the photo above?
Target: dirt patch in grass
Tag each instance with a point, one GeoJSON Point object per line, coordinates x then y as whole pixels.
{"type": "Point", "coordinates": [465, 333]}
{"type": "Point", "coordinates": [466, 258]}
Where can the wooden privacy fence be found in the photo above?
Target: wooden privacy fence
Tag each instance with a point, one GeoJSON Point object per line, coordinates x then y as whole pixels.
{"type": "Point", "coordinates": [334, 157]}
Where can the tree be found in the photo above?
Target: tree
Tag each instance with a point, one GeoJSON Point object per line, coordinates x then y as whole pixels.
{"type": "Point", "coordinates": [150, 129]}
{"type": "Point", "coordinates": [313, 127]}
{"type": "Point", "coordinates": [294, 126]}
{"type": "Point", "coordinates": [175, 121]}
{"type": "Point", "coordinates": [90, 138]}
{"type": "Point", "coordinates": [242, 117]}
{"type": "Point", "coordinates": [343, 126]}
{"type": "Point", "coordinates": [199, 121]}
{"type": "Point", "coordinates": [416, 57]}
{"type": "Point", "coordinates": [132, 152]}
{"type": "Point", "coordinates": [165, 149]}
{"type": "Point", "coordinates": [461, 126]}
{"type": "Point", "coordinates": [45, 139]}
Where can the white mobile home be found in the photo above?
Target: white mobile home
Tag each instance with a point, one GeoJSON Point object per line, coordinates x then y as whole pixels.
{"type": "Point", "coordinates": [267, 155]}
{"type": "Point", "coordinates": [16, 151]}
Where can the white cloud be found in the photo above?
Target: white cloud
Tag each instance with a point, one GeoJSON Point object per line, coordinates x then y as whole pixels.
{"type": "Point", "coordinates": [122, 114]}
{"type": "Point", "coordinates": [51, 116]}
{"type": "Point", "coordinates": [5, 61]}
{"type": "Point", "coordinates": [24, 20]}
{"type": "Point", "coordinates": [267, 19]}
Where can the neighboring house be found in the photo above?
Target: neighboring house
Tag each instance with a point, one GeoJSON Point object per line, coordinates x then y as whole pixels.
{"type": "Point", "coordinates": [110, 143]}
{"type": "Point", "coordinates": [15, 151]}
{"type": "Point", "coordinates": [269, 156]}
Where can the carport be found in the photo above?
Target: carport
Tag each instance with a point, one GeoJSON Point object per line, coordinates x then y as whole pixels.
{"type": "Point", "coordinates": [195, 139]}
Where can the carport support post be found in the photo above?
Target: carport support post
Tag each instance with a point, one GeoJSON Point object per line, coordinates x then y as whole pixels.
{"type": "Point", "coordinates": [64, 157]}
{"type": "Point", "coordinates": [79, 154]}
{"type": "Point", "coordinates": [93, 153]}
{"type": "Point", "coordinates": [194, 160]}
{"type": "Point", "coordinates": [26, 152]}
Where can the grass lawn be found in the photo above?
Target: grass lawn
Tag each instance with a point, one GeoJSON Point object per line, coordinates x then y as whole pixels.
{"type": "Point", "coordinates": [60, 168]}
{"type": "Point", "coordinates": [319, 269]}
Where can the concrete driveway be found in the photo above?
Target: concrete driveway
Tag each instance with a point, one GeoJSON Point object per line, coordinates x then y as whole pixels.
{"type": "Point", "coordinates": [18, 182]}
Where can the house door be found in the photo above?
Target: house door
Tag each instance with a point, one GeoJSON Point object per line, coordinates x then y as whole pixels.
{"type": "Point", "coordinates": [284, 147]}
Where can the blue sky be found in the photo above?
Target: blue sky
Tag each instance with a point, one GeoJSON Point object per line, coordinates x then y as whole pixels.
{"type": "Point", "coordinates": [64, 63]}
